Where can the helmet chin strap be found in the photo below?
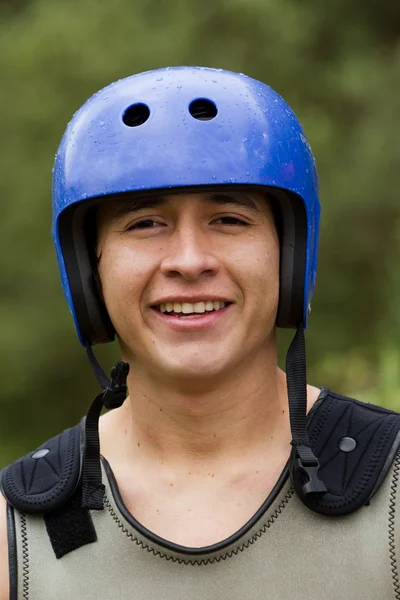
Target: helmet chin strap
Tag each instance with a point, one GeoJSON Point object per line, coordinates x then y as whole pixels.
{"type": "Point", "coordinates": [112, 395]}
{"type": "Point", "coordinates": [303, 464]}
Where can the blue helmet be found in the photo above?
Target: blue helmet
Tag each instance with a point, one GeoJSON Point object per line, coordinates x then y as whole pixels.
{"type": "Point", "coordinates": [179, 128]}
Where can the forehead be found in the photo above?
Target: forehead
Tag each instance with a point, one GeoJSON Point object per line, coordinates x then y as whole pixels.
{"type": "Point", "coordinates": [257, 201]}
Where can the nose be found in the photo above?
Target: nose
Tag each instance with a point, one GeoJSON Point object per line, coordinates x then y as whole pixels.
{"type": "Point", "coordinates": [189, 254]}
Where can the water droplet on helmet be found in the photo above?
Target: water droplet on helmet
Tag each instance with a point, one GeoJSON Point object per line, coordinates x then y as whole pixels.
{"type": "Point", "coordinates": [159, 79]}
{"type": "Point", "coordinates": [101, 123]}
{"type": "Point", "coordinates": [214, 177]}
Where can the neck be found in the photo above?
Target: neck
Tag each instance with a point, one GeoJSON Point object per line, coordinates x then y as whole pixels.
{"type": "Point", "coordinates": [220, 419]}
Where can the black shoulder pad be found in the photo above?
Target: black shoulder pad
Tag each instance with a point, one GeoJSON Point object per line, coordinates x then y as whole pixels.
{"type": "Point", "coordinates": [356, 444]}
{"type": "Point", "coordinates": [44, 479]}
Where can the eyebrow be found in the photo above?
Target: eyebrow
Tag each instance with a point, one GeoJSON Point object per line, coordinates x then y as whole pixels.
{"type": "Point", "coordinates": [142, 202]}
{"type": "Point", "coordinates": [135, 204]}
{"type": "Point", "coordinates": [237, 198]}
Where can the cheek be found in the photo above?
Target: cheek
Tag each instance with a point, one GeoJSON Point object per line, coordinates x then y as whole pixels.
{"type": "Point", "coordinates": [259, 264]}
{"type": "Point", "coordinates": [123, 274]}
{"type": "Point", "coordinates": [262, 295]}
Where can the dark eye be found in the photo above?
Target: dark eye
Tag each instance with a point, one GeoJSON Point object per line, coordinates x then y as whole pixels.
{"type": "Point", "coordinates": [145, 224]}
{"type": "Point", "coordinates": [231, 221]}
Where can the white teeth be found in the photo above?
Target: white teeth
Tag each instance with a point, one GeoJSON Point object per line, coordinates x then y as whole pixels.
{"type": "Point", "coordinates": [199, 307]}
{"type": "Point", "coordinates": [187, 308]}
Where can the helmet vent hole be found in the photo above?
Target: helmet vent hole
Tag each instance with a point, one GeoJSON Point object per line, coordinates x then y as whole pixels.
{"type": "Point", "coordinates": [203, 109]}
{"type": "Point", "coordinates": [136, 115]}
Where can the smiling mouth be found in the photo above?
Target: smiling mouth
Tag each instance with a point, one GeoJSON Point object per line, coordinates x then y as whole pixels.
{"type": "Point", "coordinates": [186, 310]}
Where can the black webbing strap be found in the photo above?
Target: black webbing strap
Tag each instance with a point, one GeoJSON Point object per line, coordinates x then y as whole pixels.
{"type": "Point", "coordinates": [304, 463]}
{"type": "Point", "coordinates": [112, 396]}
{"type": "Point", "coordinates": [92, 486]}
{"type": "Point", "coordinates": [98, 371]}
{"type": "Point", "coordinates": [297, 387]}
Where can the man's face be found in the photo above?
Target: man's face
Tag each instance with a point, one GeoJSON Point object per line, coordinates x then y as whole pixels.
{"type": "Point", "coordinates": [190, 280]}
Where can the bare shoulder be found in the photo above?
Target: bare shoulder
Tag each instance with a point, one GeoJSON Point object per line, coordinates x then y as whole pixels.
{"type": "Point", "coordinates": [4, 577]}
{"type": "Point", "coordinates": [313, 394]}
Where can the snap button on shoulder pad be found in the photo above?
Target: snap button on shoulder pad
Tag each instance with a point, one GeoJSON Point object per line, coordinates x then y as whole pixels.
{"type": "Point", "coordinates": [347, 444]}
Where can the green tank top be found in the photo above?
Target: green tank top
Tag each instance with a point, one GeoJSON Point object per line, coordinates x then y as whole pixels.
{"type": "Point", "coordinates": [286, 552]}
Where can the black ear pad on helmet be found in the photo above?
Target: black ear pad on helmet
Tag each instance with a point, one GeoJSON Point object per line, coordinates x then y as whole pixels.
{"type": "Point", "coordinates": [93, 320]}
{"type": "Point", "coordinates": [293, 239]}
{"type": "Point", "coordinates": [92, 317]}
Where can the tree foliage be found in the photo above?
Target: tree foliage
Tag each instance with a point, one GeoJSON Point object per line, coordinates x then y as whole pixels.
{"type": "Point", "coordinates": [337, 64]}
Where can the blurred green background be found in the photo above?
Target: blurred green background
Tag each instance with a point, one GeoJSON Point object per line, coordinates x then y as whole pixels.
{"type": "Point", "coordinates": [336, 62]}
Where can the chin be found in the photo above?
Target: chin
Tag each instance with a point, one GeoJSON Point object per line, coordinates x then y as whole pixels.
{"type": "Point", "coordinates": [187, 368]}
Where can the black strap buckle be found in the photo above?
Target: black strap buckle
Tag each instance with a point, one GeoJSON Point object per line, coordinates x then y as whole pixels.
{"type": "Point", "coordinates": [307, 465]}
{"type": "Point", "coordinates": [115, 394]}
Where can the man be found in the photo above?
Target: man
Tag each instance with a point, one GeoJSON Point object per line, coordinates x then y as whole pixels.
{"type": "Point", "coordinates": [186, 221]}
